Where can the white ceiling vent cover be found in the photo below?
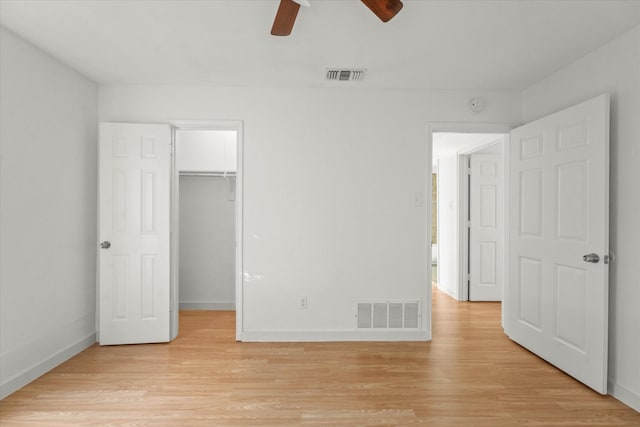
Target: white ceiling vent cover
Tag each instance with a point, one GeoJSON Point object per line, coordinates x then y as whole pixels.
{"type": "Point", "coordinates": [346, 74]}
{"type": "Point", "coordinates": [388, 314]}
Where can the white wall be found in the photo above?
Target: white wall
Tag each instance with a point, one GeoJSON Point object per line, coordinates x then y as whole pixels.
{"type": "Point", "coordinates": [448, 225]}
{"type": "Point", "coordinates": [615, 68]}
{"type": "Point", "coordinates": [330, 176]}
{"type": "Point", "coordinates": [48, 212]}
{"type": "Point", "coordinates": [207, 243]}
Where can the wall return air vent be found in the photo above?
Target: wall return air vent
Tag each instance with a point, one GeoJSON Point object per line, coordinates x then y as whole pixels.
{"type": "Point", "coordinates": [346, 74]}
{"type": "Point", "coordinates": [388, 314]}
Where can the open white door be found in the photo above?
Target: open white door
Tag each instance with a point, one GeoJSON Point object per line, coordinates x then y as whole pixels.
{"type": "Point", "coordinates": [134, 194]}
{"type": "Point", "coordinates": [486, 257]}
{"type": "Point", "coordinates": [557, 292]}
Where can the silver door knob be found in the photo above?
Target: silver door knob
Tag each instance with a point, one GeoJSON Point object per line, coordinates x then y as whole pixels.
{"type": "Point", "coordinates": [594, 258]}
{"type": "Point", "coordinates": [105, 245]}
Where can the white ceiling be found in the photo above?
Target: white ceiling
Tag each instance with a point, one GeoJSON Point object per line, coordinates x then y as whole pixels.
{"type": "Point", "coordinates": [461, 45]}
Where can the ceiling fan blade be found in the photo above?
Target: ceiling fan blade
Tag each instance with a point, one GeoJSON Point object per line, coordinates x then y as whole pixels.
{"type": "Point", "coordinates": [384, 9]}
{"type": "Point", "coordinates": [285, 18]}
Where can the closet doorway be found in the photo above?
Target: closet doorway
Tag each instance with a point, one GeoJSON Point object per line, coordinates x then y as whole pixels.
{"type": "Point", "coordinates": [206, 224]}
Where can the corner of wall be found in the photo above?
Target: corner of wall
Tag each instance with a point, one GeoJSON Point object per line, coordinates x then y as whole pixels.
{"type": "Point", "coordinates": [60, 345]}
{"type": "Point", "coordinates": [49, 172]}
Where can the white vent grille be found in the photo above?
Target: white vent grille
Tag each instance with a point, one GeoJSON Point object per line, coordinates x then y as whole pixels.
{"type": "Point", "coordinates": [345, 74]}
{"type": "Point", "coordinates": [388, 314]}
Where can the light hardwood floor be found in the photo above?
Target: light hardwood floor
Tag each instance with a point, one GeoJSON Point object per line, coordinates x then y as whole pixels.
{"type": "Point", "coordinates": [469, 375]}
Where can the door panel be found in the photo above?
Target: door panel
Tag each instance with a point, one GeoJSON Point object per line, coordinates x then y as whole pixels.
{"type": "Point", "coordinates": [485, 241]}
{"type": "Point", "coordinates": [531, 206]}
{"type": "Point", "coordinates": [572, 201]}
{"type": "Point", "coordinates": [134, 219]}
{"type": "Point", "coordinates": [557, 303]}
{"type": "Point", "coordinates": [530, 287]}
{"type": "Point", "coordinates": [571, 294]}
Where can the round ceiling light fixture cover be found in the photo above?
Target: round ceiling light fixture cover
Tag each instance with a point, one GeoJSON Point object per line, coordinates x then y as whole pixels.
{"type": "Point", "coordinates": [477, 105]}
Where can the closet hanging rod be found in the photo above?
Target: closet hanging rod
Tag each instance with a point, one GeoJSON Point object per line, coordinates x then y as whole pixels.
{"type": "Point", "coordinates": [208, 173]}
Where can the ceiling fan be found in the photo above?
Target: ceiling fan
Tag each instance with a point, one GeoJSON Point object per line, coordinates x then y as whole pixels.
{"type": "Point", "coordinates": [288, 10]}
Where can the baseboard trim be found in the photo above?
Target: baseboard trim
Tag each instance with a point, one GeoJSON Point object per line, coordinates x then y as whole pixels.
{"type": "Point", "coordinates": [26, 376]}
{"type": "Point", "coordinates": [329, 336]}
{"type": "Point", "coordinates": [207, 305]}
{"type": "Point", "coordinates": [624, 395]}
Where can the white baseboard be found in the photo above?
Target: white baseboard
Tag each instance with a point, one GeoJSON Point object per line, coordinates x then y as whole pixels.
{"type": "Point", "coordinates": [207, 305]}
{"type": "Point", "coordinates": [329, 336]}
{"type": "Point", "coordinates": [29, 374]}
{"type": "Point", "coordinates": [624, 395]}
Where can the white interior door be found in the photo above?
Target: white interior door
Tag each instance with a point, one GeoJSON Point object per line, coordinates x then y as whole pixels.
{"type": "Point", "coordinates": [134, 201]}
{"type": "Point", "coordinates": [557, 293]}
{"type": "Point", "coordinates": [486, 257]}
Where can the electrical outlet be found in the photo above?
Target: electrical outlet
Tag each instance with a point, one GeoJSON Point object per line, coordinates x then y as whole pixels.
{"type": "Point", "coordinates": [304, 303]}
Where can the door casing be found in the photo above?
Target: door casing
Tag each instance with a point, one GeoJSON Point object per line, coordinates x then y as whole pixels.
{"type": "Point", "coordinates": [461, 254]}
{"type": "Point", "coordinates": [233, 125]}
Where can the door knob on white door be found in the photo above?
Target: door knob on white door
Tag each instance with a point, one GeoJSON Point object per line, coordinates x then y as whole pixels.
{"type": "Point", "coordinates": [105, 245]}
{"type": "Point", "coordinates": [594, 258]}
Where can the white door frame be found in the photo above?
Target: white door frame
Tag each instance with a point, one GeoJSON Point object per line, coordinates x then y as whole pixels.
{"type": "Point", "coordinates": [461, 197]}
{"type": "Point", "coordinates": [237, 126]}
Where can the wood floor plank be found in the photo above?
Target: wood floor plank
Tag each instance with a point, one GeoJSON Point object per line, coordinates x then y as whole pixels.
{"type": "Point", "coordinates": [471, 374]}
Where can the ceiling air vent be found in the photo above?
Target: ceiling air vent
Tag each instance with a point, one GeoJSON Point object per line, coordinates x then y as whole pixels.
{"type": "Point", "coordinates": [345, 75]}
